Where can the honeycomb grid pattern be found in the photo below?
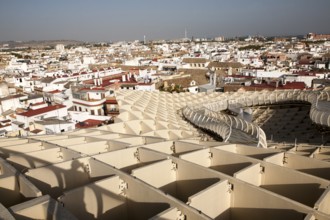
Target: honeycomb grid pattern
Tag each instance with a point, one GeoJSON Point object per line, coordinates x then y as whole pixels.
{"type": "Point", "coordinates": [153, 164]}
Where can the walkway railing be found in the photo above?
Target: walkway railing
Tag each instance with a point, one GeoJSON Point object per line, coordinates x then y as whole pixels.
{"type": "Point", "coordinates": [237, 123]}
{"type": "Point", "coordinates": [208, 115]}
{"type": "Point", "coordinates": [206, 122]}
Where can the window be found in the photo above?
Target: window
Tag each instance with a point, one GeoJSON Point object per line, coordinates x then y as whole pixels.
{"type": "Point", "coordinates": [92, 112]}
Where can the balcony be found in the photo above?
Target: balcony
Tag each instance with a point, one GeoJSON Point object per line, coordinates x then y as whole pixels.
{"type": "Point", "coordinates": [88, 102]}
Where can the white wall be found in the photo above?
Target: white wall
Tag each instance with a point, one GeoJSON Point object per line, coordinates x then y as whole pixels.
{"type": "Point", "coordinates": [89, 109]}
{"type": "Point", "coordinates": [82, 116]}
{"type": "Point", "coordinates": [33, 101]}
{"type": "Point", "coordinates": [272, 74]}
{"type": "Point", "coordinates": [146, 87]}
{"type": "Point", "coordinates": [95, 95]}
{"type": "Point", "coordinates": [193, 89]}
{"type": "Point", "coordinates": [10, 104]}
{"type": "Point", "coordinates": [58, 113]}
{"type": "Point", "coordinates": [56, 128]}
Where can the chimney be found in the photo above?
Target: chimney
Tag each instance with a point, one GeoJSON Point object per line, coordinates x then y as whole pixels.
{"type": "Point", "coordinates": [95, 82]}
{"type": "Point", "coordinates": [123, 78]}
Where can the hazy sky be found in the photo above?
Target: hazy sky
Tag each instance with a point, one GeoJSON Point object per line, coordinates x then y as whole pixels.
{"type": "Point", "coordinates": [113, 20]}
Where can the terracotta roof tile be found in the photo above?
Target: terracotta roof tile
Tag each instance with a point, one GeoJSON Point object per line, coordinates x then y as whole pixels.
{"type": "Point", "coordinates": [39, 111]}
{"type": "Point", "coordinates": [89, 123]}
{"type": "Point", "coordinates": [111, 101]}
{"type": "Point", "coordinates": [54, 91]}
{"type": "Point", "coordinates": [225, 64]}
{"type": "Point", "coordinates": [194, 60]}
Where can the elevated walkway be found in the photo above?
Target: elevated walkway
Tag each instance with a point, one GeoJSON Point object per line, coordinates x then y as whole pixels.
{"type": "Point", "coordinates": [210, 110]}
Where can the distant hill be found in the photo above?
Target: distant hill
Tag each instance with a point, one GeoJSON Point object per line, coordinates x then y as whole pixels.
{"type": "Point", "coordinates": [39, 44]}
